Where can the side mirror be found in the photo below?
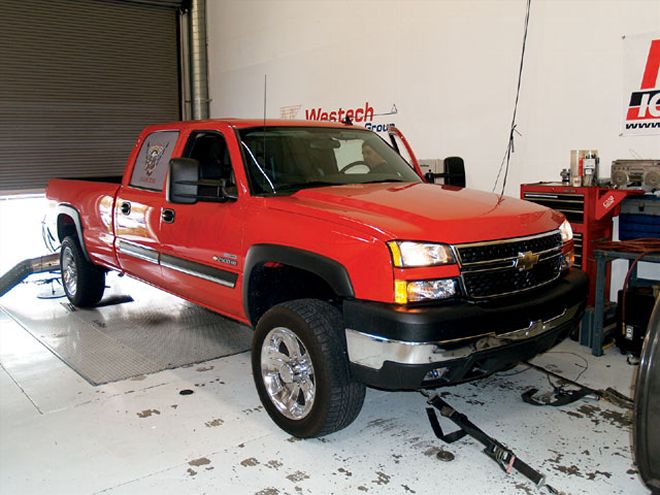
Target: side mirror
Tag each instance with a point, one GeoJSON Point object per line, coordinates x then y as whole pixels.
{"type": "Point", "coordinates": [182, 182]}
{"type": "Point", "coordinates": [454, 172]}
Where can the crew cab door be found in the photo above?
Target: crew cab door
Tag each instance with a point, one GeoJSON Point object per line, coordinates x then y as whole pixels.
{"type": "Point", "coordinates": [201, 242]}
{"type": "Point", "coordinates": [139, 205]}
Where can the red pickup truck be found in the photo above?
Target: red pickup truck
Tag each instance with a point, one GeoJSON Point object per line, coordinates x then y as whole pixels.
{"type": "Point", "coordinates": [351, 269]}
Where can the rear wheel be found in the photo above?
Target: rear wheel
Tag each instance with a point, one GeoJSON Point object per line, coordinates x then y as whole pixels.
{"type": "Point", "coordinates": [83, 281]}
{"type": "Point", "coordinates": [300, 369]}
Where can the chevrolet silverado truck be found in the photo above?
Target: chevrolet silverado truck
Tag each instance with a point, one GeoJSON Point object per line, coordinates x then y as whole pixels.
{"type": "Point", "coordinates": [352, 270]}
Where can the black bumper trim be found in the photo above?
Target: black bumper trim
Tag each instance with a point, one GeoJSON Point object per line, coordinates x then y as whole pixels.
{"type": "Point", "coordinates": [459, 319]}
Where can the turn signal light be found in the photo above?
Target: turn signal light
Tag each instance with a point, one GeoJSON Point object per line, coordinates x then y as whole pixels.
{"type": "Point", "coordinates": [568, 260]}
{"type": "Point", "coordinates": [400, 291]}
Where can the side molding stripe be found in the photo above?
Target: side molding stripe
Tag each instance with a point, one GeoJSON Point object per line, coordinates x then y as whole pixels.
{"type": "Point", "coordinates": [205, 272]}
{"type": "Point", "coordinates": [137, 251]}
{"type": "Point", "coordinates": [216, 275]}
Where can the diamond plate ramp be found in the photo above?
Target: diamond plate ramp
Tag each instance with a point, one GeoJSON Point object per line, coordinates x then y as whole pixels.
{"type": "Point", "coordinates": [123, 338]}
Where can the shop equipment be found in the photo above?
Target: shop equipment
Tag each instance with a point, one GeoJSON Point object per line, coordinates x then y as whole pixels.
{"type": "Point", "coordinates": [589, 210]}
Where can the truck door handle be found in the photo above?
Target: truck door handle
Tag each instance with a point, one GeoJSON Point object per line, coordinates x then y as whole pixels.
{"type": "Point", "coordinates": [126, 208]}
{"type": "Point", "coordinates": [167, 215]}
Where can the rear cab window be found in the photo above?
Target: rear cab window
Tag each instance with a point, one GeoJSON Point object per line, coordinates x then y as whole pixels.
{"type": "Point", "coordinates": [151, 163]}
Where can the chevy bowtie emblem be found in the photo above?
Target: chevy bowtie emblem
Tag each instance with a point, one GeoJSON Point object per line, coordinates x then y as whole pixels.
{"type": "Point", "coordinates": [526, 261]}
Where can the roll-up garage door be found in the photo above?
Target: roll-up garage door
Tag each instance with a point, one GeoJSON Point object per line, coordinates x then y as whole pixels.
{"type": "Point", "coordinates": [78, 80]}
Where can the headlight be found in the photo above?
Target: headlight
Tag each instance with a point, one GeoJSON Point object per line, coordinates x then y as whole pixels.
{"type": "Point", "coordinates": [423, 290]}
{"type": "Point", "coordinates": [566, 231]}
{"type": "Point", "coordinates": [408, 254]}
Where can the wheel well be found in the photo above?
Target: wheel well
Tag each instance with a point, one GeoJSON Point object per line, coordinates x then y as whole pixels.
{"type": "Point", "coordinates": [273, 283]}
{"type": "Point", "coordinates": [65, 227]}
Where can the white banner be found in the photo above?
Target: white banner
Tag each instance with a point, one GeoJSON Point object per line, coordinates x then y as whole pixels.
{"type": "Point", "coordinates": [641, 85]}
{"type": "Point", "coordinates": [375, 117]}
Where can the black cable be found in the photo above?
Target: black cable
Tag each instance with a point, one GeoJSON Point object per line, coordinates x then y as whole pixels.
{"type": "Point", "coordinates": [584, 368]}
{"type": "Point", "coordinates": [512, 130]}
{"type": "Point", "coordinates": [513, 373]}
{"type": "Point", "coordinates": [609, 394]}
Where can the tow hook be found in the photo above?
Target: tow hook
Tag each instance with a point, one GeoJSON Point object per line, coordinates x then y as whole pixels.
{"type": "Point", "coordinates": [502, 455]}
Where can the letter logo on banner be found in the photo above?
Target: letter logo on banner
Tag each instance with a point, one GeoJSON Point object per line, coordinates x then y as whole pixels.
{"type": "Point", "coordinates": [643, 108]}
{"type": "Point", "coordinates": [362, 115]}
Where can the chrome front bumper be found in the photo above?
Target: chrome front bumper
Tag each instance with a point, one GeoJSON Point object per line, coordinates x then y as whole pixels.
{"type": "Point", "coordinates": [372, 351]}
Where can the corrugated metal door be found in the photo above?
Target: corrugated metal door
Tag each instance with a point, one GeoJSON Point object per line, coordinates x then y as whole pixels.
{"type": "Point", "coordinates": [78, 80]}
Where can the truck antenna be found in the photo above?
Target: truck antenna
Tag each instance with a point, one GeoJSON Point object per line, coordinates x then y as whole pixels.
{"type": "Point", "coordinates": [265, 92]}
{"type": "Point", "coordinates": [264, 132]}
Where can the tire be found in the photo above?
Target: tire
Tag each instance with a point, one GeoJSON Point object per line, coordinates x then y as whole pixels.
{"type": "Point", "coordinates": [298, 349]}
{"type": "Point", "coordinates": [83, 281]}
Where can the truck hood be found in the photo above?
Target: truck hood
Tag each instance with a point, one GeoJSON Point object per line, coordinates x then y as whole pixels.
{"type": "Point", "coordinates": [419, 211]}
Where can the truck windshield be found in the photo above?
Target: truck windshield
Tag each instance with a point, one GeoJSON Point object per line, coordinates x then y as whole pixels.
{"type": "Point", "coordinates": [287, 159]}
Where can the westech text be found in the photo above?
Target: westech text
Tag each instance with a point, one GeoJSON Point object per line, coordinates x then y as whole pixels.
{"type": "Point", "coordinates": [354, 114]}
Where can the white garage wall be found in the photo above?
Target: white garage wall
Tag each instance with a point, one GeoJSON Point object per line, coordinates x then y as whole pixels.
{"type": "Point", "coordinates": [450, 68]}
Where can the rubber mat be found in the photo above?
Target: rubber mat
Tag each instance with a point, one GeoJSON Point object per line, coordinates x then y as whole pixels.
{"type": "Point", "coordinates": [136, 330]}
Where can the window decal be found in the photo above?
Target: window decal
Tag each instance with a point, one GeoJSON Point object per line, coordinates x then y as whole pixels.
{"type": "Point", "coordinates": [151, 163]}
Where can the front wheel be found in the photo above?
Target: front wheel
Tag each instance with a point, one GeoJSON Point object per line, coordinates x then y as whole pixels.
{"type": "Point", "coordinates": [83, 281]}
{"type": "Point", "coordinates": [300, 369]}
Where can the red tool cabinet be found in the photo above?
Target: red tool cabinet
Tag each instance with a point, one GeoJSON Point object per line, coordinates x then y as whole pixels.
{"type": "Point", "coordinates": [589, 210]}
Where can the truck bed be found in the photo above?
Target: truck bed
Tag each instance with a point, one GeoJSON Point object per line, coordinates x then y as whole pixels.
{"type": "Point", "coordinates": [93, 199]}
{"type": "Point", "coordinates": [110, 179]}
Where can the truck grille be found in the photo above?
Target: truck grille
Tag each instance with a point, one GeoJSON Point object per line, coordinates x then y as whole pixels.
{"type": "Point", "coordinates": [492, 269]}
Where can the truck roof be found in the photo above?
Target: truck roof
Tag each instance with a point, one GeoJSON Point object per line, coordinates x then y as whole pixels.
{"type": "Point", "coordinates": [243, 123]}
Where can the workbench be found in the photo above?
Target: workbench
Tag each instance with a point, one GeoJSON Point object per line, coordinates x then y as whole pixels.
{"type": "Point", "coordinates": [592, 333]}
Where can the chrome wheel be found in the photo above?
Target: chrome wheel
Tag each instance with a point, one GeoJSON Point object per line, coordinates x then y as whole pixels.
{"type": "Point", "coordinates": [288, 373]}
{"type": "Point", "coordinates": [69, 271]}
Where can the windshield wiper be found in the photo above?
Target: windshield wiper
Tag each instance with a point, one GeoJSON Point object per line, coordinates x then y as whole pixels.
{"type": "Point", "coordinates": [305, 185]}
{"type": "Point", "coordinates": [382, 180]}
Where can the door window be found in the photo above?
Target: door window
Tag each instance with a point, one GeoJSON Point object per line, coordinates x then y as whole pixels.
{"type": "Point", "coordinates": [216, 176]}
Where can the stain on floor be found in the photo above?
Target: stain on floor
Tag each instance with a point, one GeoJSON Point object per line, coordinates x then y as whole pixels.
{"type": "Point", "coordinates": [268, 491]}
{"type": "Point", "coordinates": [148, 412]}
{"type": "Point", "coordinates": [523, 488]}
{"type": "Point", "coordinates": [274, 464]}
{"type": "Point", "coordinates": [572, 470]}
{"type": "Point", "coordinates": [382, 479]}
{"type": "Point", "coordinates": [592, 476]}
{"type": "Point", "coordinates": [622, 420]}
{"type": "Point", "coordinates": [298, 476]}
{"type": "Point", "coordinates": [345, 472]}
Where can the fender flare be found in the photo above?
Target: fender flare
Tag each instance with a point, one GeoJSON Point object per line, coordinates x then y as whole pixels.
{"type": "Point", "coordinates": [332, 272]}
{"type": "Point", "coordinates": [70, 211]}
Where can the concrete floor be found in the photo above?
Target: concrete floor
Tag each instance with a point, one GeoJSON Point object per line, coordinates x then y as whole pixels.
{"type": "Point", "coordinates": [59, 434]}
